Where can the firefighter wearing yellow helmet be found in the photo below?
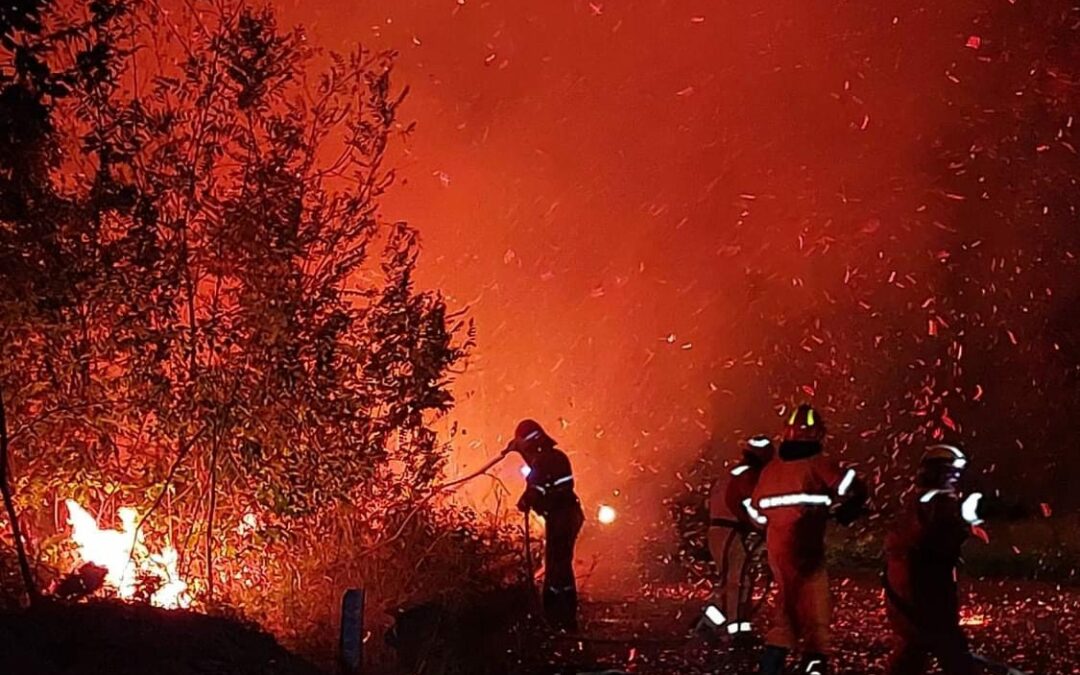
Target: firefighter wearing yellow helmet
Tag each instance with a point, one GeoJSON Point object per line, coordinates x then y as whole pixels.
{"type": "Point", "coordinates": [794, 498]}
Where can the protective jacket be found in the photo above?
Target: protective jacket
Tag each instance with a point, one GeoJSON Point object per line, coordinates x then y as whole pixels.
{"type": "Point", "coordinates": [727, 495]}
{"type": "Point", "coordinates": [549, 487]}
{"type": "Point", "coordinates": [793, 499]}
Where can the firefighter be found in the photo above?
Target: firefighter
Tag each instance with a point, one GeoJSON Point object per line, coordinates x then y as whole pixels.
{"type": "Point", "coordinates": [921, 554]}
{"type": "Point", "coordinates": [793, 500]}
{"type": "Point", "coordinates": [733, 536]}
{"type": "Point", "coordinates": [549, 491]}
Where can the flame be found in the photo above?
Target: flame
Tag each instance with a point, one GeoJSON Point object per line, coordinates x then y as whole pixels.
{"type": "Point", "coordinates": [973, 619]}
{"type": "Point", "coordinates": [126, 558]}
{"type": "Point", "coordinates": [606, 514]}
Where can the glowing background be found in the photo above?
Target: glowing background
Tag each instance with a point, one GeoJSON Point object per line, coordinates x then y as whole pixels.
{"type": "Point", "coordinates": [670, 217]}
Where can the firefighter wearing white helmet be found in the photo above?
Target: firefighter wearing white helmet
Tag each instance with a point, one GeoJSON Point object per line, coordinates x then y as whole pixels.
{"type": "Point", "coordinates": [921, 552]}
{"type": "Point", "coordinates": [733, 536]}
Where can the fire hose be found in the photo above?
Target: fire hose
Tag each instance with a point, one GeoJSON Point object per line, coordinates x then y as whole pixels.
{"type": "Point", "coordinates": [528, 559]}
{"type": "Point", "coordinates": [528, 537]}
{"type": "Point", "coordinates": [475, 474]}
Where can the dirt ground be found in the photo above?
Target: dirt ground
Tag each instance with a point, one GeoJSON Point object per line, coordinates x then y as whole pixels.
{"type": "Point", "coordinates": [1030, 626]}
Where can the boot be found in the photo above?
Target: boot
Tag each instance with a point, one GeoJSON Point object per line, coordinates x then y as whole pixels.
{"type": "Point", "coordinates": [772, 661]}
{"type": "Point", "coordinates": [567, 612]}
{"type": "Point", "coordinates": [815, 664]}
{"type": "Point", "coordinates": [746, 642]}
{"type": "Point", "coordinates": [572, 611]}
{"type": "Point", "coordinates": [560, 609]}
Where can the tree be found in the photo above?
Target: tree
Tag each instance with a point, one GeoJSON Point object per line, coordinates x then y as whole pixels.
{"type": "Point", "coordinates": [192, 318]}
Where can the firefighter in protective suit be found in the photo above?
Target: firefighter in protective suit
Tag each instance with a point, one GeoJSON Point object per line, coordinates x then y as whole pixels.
{"type": "Point", "coordinates": [793, 500]}
{"type": "Point", "coordinates": [549, 491]}
{"type": "Point", "coordinates": [921, 553]}
{"type": "Point", "coordinates": [733, 535]}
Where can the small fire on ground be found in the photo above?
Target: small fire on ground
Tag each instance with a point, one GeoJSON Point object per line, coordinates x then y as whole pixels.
{"type": "Point", "coordinates": [973, 619]}
{"type": "Point", "coordinates": [128, 561]}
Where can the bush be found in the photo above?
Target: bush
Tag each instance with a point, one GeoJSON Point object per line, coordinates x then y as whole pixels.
{"type": "Point", "coordinates": [203, 316]}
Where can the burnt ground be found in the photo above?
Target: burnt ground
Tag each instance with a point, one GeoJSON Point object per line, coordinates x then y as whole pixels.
{"type": "Point", "coordinates": [112, 638]}
{"type": "Point", "coordinates": [1031, 626]}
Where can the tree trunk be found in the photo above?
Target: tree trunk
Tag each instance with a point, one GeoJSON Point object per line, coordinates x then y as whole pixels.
{"type": "Point", "coordinates": [9, 505]}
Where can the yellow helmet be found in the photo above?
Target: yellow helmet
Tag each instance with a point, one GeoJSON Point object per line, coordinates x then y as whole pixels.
{"type": "Point", "coordinates": [805, 424]}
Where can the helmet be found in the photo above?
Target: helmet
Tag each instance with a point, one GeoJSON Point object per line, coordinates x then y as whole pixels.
{"type": "Point", "coordinates": [940, 465]}
{"type": "Point", "coordinates": [805, 424]}
{"type": "Point", "coordinates": [943, 453]}
{"type": "Point", "coordinates": [531, 431]}
{"type": "Point", "coordinates": [759, 448]}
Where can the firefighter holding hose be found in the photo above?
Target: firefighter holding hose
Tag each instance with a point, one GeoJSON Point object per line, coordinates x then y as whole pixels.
{"type": "Point", "coordinates": [549, 491]}
{"type": "Point", "coordinates": [733, 537]}
{"type": "Point", "coordinates": [793, 500]}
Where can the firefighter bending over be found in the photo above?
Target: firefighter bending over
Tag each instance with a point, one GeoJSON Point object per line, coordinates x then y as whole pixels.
{"type": "Point", "coordinates": [792, 501]}
{"type": "Point", "coordinates": [549, 491]}
{"type": "Point", "coordinates": [922, 552]}
{"type": "Point", "coordinates": [733, 535]}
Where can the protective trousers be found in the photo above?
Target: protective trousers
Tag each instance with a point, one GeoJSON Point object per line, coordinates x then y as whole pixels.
{"type": "Point", "coordinates": [560, 588]}
{"type": "Point", "coordinates": [912, 648]}
{"type": "Point", "coordinates": [728, 548]}
{"type": "Point", "coordinates": [803, 605]}
{"type": "Point", "coordinates": [925, 623]}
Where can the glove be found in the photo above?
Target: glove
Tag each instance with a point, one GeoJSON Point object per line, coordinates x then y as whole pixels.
{"type": "Point", "coordinates": [510, 447]}
{"type": "Point", "coordinates": [849, 512]}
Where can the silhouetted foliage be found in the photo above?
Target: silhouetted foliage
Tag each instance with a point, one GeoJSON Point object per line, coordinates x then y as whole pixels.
{"type": "Point", "coordinates": [195, 316]}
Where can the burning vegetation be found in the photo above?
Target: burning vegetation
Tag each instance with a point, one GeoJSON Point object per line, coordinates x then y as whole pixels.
{"type": "Point", "coordinates": [218, 377]}
{"type": "Point", "coordinates": [128, 564]}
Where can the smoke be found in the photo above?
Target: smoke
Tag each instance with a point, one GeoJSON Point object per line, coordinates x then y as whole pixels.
{"type": "Point", "coordinates": [670, 220]}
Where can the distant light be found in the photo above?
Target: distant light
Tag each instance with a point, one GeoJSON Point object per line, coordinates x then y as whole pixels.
{"type": "Point", "coordinates": [715, 615]}
{"type": "Point", "coordinates": [606, 514]}
{"type": "Point", "coordinates": [525, 470]}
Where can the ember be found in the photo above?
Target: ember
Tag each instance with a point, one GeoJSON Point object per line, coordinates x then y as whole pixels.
{"type": "Point", "coordinates": [124, 555]}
